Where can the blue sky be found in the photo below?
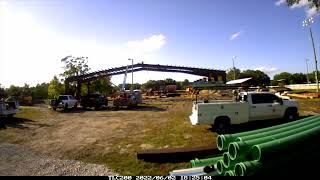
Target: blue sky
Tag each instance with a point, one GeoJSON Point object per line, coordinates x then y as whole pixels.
{"type": "Point", "coordinates": [36, 34]}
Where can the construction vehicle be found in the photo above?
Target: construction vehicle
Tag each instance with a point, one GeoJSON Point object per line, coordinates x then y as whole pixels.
{"type": "Point", "coordinates": [96, 101]}
{"type": "Point", "coordinates": [127, 98]}
{"type": "Point", "coordinates": [25, 100]}
{"type": "Point", "coordinates": [9, 107]}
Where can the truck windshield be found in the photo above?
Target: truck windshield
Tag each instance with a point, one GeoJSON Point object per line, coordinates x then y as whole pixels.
{"type": "Point", "coordinates": [63, 98]}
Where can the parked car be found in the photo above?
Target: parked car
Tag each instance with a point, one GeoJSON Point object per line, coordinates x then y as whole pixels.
{"type": "Point", "coordinates": [250, 106]}
{"type": "Point", "coordinates": [65, 102]}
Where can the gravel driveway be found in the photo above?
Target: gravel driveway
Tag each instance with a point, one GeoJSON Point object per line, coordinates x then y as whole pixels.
{"type": "Point", "coordinates": [18, 161]}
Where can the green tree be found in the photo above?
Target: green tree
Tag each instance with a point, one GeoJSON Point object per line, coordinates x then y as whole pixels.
{"type": "Point", "coordinates": [259, 78]}
{"type": "Point", "coordinates": [283, 75]}
{"type": "Point", "coordinates": [298, 78]}
{"type": "Point", "coordinates": [230, 74]}
{"type": "Point", "coordinates": [312, 77]}
{"type": "Point", "coordinates": [74, 66]}
{"type": "Point", "coordinates": [3, 92]}
{"type": "Point", "coordinates": [170, 81]}
{"type": "Point", "coordinates": [185, 84]}
{"type": "Point", "coordinates": [14, 91]}
{"type": "Point", "coordinates": [26, 90]}
{"type": "Point", "coordinates": [55, 88]}
{"type": "Point", "coordinates": [151, 84]}
{"type": "Point", "coordinates": [102, 85]}
{"type": "Point", "coordinates": [40, 91]}
{"type": "Point", "coordinates": [182, 85]}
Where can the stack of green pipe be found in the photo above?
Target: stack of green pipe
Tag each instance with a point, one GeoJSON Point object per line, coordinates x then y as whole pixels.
{"type": "Point", "coordinates": [265, 149]}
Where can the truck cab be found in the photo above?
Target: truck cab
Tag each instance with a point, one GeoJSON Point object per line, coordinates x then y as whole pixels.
{"type": "Point", "coordinates": [248, 106]}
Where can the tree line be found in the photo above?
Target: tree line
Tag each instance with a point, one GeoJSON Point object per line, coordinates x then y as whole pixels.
{"type": "Point", "coordinates": [259, 78]}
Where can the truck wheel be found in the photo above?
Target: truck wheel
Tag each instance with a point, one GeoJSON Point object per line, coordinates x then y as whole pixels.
{"type": "Point", "coordinates": [75, 106]}
{"type": "Point", "coordinates": [290, 115]}
{"type": "Point", "coordinates": [222, 125]}
{"type": "Point", "coordinates": [66, 107]}
{"type": "Point", "coordinates": [54, 108]}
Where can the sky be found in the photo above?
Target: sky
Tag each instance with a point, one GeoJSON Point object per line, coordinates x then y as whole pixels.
{"type": "Point", "coordinates": [263, 35]}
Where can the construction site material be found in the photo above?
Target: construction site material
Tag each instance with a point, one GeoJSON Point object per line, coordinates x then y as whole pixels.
{"type": "Point", "coordinates": [223, 141]}
{"type": "Point", "coordinates": [241, 149]}
{"type": "Point", "coordinates": [178, 154]}
{"type": "Point", "coordinates": [305, 95]}
{"type": "Point", "coordinates": [277, 150]}
{"type": "Point", "coordinates": [204, 162]}
{"type": "Point", "coordinates": [198, 171]}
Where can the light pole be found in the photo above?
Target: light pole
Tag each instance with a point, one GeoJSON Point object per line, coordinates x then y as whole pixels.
{"type": "Point", "coordinates": [131, 88]}
{"type": "Point", "coordinates": [307, 71]}
{"type": "Point", "coordinates": [306, 23]}
{"type": "Point", "coordinates": [234, 69]}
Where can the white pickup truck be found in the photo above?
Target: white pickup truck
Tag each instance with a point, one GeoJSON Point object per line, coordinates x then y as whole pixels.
{"type": "Point", "coordinates": [65, 102]}
{"type": "Point", "coordinates": [250, 106]}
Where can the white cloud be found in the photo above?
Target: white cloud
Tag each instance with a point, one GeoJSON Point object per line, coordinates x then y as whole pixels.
{"type": "Point", "coordinates": [269, 71]}
{"type": "Point", "coordinates": [235, 35]}
{"type": "Point", "coordinates": [280, 2]}
{"type": "Point", "coordinates": [150, 44]}
{"type": "Point", "coordinates": [311, 12]}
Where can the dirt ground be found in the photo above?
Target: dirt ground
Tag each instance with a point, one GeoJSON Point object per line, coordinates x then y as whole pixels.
{"type": "Point", "coordinates": [18, 161]}
{"type": "Point", "coordinates": [113, 138]}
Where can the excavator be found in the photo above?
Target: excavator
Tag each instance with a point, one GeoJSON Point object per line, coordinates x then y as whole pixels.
{"type": "Point", "coordinates": [126, 98]}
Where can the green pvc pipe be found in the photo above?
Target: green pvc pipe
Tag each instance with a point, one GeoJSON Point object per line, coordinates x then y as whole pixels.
{"type": "Point", "coordinates": [229, 173]}
{"type": "Point", "coordinates": [226, 159]}
{"type": "Point", "coordinates": [277, 164]}
{"type": "Point", "coordinates": [267, 149]}
{"type": "Point", "coordinates": [205, 162]}
{"type": "Point", "coordinates": [228, 163]}
{"type": "Point", "coordinates": [240, 149]}
{"type": "Point", "coordinates": [276, 131]}
{"type": "Point", "coordinates": [220, 166]}
{"type": "Point", "coordinates": [223, 141]}
{"type": "Point", "coordinates": [247, 168]}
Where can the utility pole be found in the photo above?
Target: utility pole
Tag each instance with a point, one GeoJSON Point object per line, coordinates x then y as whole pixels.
{"type": "Point", "coordinates": [234, 69]}
{"type": "Point", "coordinates": [308, 22]}
{"type": "Point", "coordinates": [131, 88]}
{"type": "Point", "coordinates": [308, 82]}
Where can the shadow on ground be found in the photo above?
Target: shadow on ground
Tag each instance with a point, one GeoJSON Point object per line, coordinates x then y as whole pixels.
{"type": "Point", "coordinates": [19, 123]}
